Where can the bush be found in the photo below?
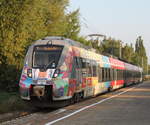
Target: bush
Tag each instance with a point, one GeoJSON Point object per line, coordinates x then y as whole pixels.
{"type": "Point", "coordinates": [10, 102]}
{"type": "Point", "coordinates": [9, 78]}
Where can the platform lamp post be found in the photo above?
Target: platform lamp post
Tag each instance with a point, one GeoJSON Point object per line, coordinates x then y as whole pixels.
{"type": "Point", "coordinates": [120, 49]}
{"type": "Point", "coordinates": [147, 69]}
{"type": "Point", "coordinates": [97, 37]}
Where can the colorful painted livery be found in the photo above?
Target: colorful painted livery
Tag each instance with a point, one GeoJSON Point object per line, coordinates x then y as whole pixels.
{"type": "Point", "coordinates": [58, 70]}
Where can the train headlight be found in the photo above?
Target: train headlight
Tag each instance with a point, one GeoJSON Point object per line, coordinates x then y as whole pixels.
{"type": "Point", "coordinates": [29, 73]}
{"type": "Point", "coordinates": [56, 73]}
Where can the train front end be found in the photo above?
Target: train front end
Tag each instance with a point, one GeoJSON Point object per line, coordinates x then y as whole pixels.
{"type": "Point", "coordinates": [44, 78]}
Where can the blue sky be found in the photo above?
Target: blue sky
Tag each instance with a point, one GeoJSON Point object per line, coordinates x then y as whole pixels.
{"type": "Point", "coordinates": [121, 19]}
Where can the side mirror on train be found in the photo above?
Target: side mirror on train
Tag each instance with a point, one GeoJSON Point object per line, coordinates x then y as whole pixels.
{"type": "Point", "coordinates": [56, 73]}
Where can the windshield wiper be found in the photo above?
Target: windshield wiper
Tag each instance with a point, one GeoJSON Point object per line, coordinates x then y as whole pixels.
{"type": "Point", "coordinates": [46, 66]}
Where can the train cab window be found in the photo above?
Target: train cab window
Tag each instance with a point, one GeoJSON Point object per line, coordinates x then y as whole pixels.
{"type": "Point", "coordinates": [46, 56]}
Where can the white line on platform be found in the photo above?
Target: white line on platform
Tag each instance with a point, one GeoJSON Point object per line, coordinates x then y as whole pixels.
{"type": "Point", "coordinates": [86, 107]}
{"type": "Point", "coordinates": [60, 111]}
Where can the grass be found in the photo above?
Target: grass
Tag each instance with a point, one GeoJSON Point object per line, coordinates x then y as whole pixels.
{"type": "Point", "coordinates": [10, 102]}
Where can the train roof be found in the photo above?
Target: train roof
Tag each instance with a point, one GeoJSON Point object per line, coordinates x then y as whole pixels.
{"type": "Point", "coordinates": [59, 41]}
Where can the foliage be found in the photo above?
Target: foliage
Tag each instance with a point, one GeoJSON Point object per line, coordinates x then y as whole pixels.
{"type": "Point", "coordinates": [111, 46]}
{"type": "Point", "coordinates": [141, 57]}
{"type": "Point", "coordinates": [128, 53]}
{"type": "Point", "coordinates": [73, 25]}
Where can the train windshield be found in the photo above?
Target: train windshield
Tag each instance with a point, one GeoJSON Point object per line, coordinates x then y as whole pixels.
{"type": "Point", "coordinates": [46, 56]}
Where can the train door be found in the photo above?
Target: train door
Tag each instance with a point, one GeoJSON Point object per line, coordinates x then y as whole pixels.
{"type": "Point", "coordinates": [78, 74]}
{"type": "Point", "coordinates": [89, 88]}
{"type": "Point", "coordinates": [85, 72]}
{"type": "Point", "coordinates": [115, 78]}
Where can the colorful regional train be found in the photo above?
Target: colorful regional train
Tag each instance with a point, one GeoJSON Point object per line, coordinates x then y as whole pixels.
{"type": "Point", "coordinates": [59, 71]}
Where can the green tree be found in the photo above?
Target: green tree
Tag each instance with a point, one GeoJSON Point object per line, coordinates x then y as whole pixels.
{"type": "Point", "coordinates": [73, 25]}
{"type": "Point", "coordinates": [141, 57]}
{"type": "Point", "coordinates": [128, 53]}
{"type": "Point", "coordinates": [111, 46]}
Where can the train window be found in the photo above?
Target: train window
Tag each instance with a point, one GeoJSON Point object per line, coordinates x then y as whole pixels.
{"type": "Point", "coordinates": [89, 68]}
{"type": "Point", "coordinates": [109, 76]}
{"type": "Point", "coordinates": [83, 63]}
{"type": "Point", "coordinates": [119, 74]}
{"type": "Point", "coordinates": [84, 69]}
{"type": "Point", "coordinates": [46, 58]}
{"type": "Point", "coordinates": [115, 74]}
{"type": "Point", "coordinates": [99, 74]}
{"type": "Point", "coordinates": [103, 74]}
{"type": "Point", "coordinates": [94, 67]}
{"type": "Point", "coordinates": [128, 74]}
{"type": "Point", "coordinates": [123, 75]}
{"type": "Point", "coordinates": [105, 70]}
